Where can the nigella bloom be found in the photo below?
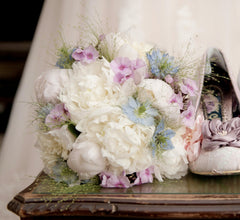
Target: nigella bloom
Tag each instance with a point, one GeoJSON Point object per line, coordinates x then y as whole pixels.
{"type": "Point", "coordinates": [44, 111]}
{"type": "Point", "coordinates": [217, 134]}
{"type": "Point", "coordinates": [140, 113]}
{"type": "Point", "coordinates": [85, 56]}
{"type": "Point", "coordinates": [62, 173]}
{"type": "Point", "coordinates": [161, 64]}
{"type": "Point", "coordinates": [162, 138]}
{"type": "Point", "coordinates": [65, 59]}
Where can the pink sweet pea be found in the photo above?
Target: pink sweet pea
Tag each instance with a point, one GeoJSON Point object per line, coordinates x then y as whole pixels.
{"type": "Point", "coordinates": [144, 176]}
{"type": "Point", "coordinates": [57, 117]}
{"type": "Point", "coordinates": [189, 86]}
{"type": "Point", "coordinates": [86, 56]}
{"type": "Point", "coordinates": [169, 79]}
{"type": "Point", "coordinates": [188, 116]}
{"type": "Point", "coordinates": [193, 138]}
{"type": "Point", "coordinates": [109, 180]}
{"type": "Point", "coordinates": [177, 98]}
{"type": "Point", "coordinates": [138, 63]}
{"type": "Point", "coordinates": [124, 68]}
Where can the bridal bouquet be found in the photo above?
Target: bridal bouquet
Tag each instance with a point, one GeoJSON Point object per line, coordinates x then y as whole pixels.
{"type": "Point", "coordinates": [114, 109]}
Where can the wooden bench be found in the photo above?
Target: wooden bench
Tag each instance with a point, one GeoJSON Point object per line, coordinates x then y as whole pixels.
{"type": "Point", "coordinates": [192, 197]}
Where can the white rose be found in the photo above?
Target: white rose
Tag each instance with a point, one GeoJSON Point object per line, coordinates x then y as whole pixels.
{"type": "Point", "coordinates": [54, 144]}
{"type": "Point", "coordinates": [173, 164]}
{"type": "Point", "coordinates": [88, 87]}
{"type": "Point", "coordinates": [86, 159]}
{"type": "Point", "coordinates": [159, 94]}
{"type": "Point", "coordinates": [49, 84]}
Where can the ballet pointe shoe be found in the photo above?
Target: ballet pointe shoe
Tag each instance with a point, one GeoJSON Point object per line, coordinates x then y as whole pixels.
{"type": "Point", "coordinates": [219, 147]}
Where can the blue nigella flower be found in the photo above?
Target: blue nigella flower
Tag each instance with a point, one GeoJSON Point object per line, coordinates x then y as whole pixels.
{"type": "Point", "coordinates": [161, 64]}
{"type": "Point", "coordinates": [162, 139]}
{"type": "Point", "coordinates": [62, 173]}
{"type": "Point", "coordinates": [140, 113]}
{"type": "Point", "coordinates": [65, 59]}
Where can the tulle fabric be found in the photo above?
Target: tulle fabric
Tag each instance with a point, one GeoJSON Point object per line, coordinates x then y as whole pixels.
{"type": "Point", "coordinates": [169, 24]}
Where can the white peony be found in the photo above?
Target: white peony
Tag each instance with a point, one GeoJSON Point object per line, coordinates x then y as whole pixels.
{"type": "Point", "coordinates": [49, 84]}
{"type": "Point", "coordinates": [86, 159]}
{"type": "Point", "coordinates": [159, 94]}
{"type": "Point", "coordinates": [173, 164]}
{"type": "Point", "coordinates": [123, 143]}
{"type": "Point", "coordinates": [88, 87]}
{"type": "Point", "coordinates": [126, 145]}
{"type": "Point", "coordinates": [54, 144]}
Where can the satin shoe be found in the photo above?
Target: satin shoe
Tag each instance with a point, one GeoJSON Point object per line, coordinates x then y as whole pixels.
{"type": "Point", "coordinates": [217, 149]}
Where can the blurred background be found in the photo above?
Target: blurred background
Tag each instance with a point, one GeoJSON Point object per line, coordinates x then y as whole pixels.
{"type": "Point", "coordinates": [18, 21]}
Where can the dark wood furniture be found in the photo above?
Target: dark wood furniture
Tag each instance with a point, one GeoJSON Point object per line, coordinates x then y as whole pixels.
{"type": "Point", "coordinates": [192, 197]}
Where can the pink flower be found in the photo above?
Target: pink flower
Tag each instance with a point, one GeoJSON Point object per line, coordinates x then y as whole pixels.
{"type": "Point", "coordinates": [177, 98]}
{"type": "Point", "coordinates": [112, 181]}
{"type": "Point", "coordinates": [193, 138]}
{"type": "Point", "coordinates": [138, 63]}
{"type": "Point", "coordinates": [57, 117]}
{"type": "Point", "coordinates": [124, 69]}
{"type": "Point", "coordinates": [102, 37]}
{"type": "Point", "coordinates": [144, 176]}
{"type": "Point", "coordinates": [86, 56]}
{"type": "Point", "coordinates": [188, 116]}
{"type": "Point", "coordinates": [189, 86]}
{"type": "Point", "coordinates": [169, 79]}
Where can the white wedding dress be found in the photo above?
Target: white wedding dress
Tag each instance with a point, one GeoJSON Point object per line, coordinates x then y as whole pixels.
{"type": "Point", "coordinates": [171, 24]}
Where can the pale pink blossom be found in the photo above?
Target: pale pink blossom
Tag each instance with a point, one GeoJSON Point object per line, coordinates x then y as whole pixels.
{"type": "Point", "coordinates": [189, 87]}
{"type": "Point", "coordinates": [109, 180]}
{"type": "Point", "coordinates": [169, 79]}
{"type": "Point", "coordinates": [85, 56]}
{"type": "Point", "coordinates": [188, 116]}
{"type": "Point", "coordinates": [145, 176]}
{"type": "Point", "coordinates": [193, 138]}
{"type": "Point", "coordinates": [57, 117]}
{"type": "Point", "coordinates": [102, 37]}
{"type": "Point", "coordinates": [177, 98]}
{"type": "Point", "coordinates": [124, 68]}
